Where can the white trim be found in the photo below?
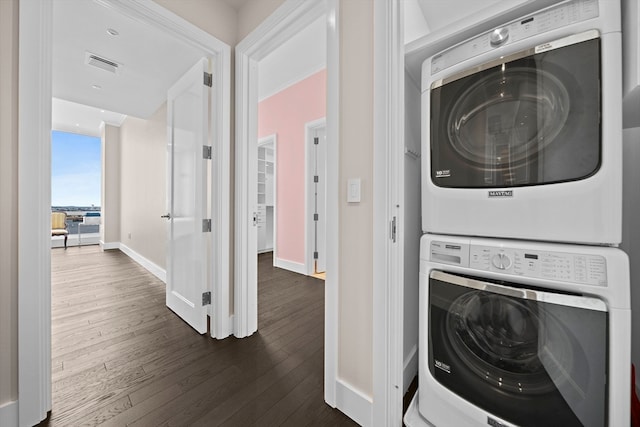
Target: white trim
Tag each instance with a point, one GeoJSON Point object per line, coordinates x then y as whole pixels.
{"type": "Point", "coordinates": [356, 405]}
{"type": "Point", "coordinates": [410, 369]}
{"type": "Point", "coordinates": [150, 266]}
{"type": "Point", "coordinates": [296, 267]}
{"type": "Point", "coordinates": [34, 264]}
{"type": "Point", "coordinates": [331, 321]}
{"type": "Point", "coordinates": [9, 414]}
{"type": "Point", "coordinates": [388, 185]}
{"type": "Point", "coordinates": [308, 191]}
{"type": "Point", "coordinates": [34, 204]}
{"type": "Point", "coordinates": [109, 246]}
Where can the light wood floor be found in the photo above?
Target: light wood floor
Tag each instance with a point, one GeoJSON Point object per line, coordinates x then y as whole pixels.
{"type": "Point", "coordinates": [121, 358]}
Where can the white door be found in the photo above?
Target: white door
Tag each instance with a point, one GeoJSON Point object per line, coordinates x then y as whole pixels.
{"type": "Point", "coordinates": [319, 178]}
{"type": "Point", "coordinates": [187, 127]}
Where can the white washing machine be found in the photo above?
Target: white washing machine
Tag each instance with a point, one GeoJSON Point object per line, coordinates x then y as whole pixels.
{"type": "Point", "coordinates": [519, 333]}
{"type": "Point", "coordinates": [522, 130]}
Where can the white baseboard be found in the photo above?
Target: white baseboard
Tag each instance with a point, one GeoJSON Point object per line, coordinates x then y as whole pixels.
{"type": "Point", "coordinates": [296, 267]}
{"type": "Point", "coordinates": [154, 269]}
{"type": "Point", "coordinates": [354, 404]}
{"type": "Point", "coordinates": [9, 414]}
{"type": "Point", "coordinates": [109, 246]}
{"type": "Point", "coordinates": [410, 368]}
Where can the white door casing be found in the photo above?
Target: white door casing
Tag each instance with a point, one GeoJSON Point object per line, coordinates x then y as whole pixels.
{"type": "Point", "coordinates": [187, 135]}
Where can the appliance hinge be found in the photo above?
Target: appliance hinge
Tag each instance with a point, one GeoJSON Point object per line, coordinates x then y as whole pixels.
{"type": "Point", "coordinates": [316, 140]}
{"type": "Point", "coordinates": [393, 229]}
{"type": "Point", "coordinates": [206, 226]}
{"type": "Point", "coordinates": [208, 79]}
{"type": "Point", "coordinates": [206, 298]}
{"type": "Point", "coordinates": [206, 152]}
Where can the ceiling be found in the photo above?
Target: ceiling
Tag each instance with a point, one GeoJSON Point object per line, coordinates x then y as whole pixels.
{"type": "Point", "coordinates": [149, 61]}
{"type": "Point", "coordinates": [295, 59]}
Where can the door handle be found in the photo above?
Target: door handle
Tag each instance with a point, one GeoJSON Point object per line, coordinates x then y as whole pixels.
{"type": "Point", "coordinates": [167, 216]}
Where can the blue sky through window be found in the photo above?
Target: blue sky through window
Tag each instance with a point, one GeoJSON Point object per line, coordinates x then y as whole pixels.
{"type": "Point", "coordinates": [75, 169]}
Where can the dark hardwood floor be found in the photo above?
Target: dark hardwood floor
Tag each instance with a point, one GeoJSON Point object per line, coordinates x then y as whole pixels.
{"type": "Point", "coordinates": [121, 358]}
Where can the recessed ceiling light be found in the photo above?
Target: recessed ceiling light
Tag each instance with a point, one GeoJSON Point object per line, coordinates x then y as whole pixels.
{"type": "Point", "coordinates": [96, 87]}
{"type": "Point", "coordinates": [112, 32]}
{"type": "Point", "coordinates": [102, 111]}
{"type": "Point", "coordinates": [77, 124]}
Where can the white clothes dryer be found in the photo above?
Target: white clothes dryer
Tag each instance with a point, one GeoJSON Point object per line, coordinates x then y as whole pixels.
{"type": "Point", "coordinates": [518, 333]}
{"type": "Point", "coordinates": [522, 129]}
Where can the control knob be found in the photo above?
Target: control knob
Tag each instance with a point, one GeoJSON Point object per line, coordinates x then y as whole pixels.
{"type": "Point", "coordinates": [501, 261]}
{"type": "Point", "coordinates": [499, 36]}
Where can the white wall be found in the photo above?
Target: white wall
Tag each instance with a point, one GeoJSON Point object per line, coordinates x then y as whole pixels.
{"type": "Point", "coordinates": [413, 227]}
{"type": "Point", "coordinates": [8, 201]}
{"type": "Point", "coordinates": [143, 182]}
{"type": "Point", "coordinates": [213, 16]}
{"type": "Point", "coordinates": [111, 176]}
{"type": "Point", "coordinates": [631, 231]}
{"type": "Point", "coordinates": [355, 293]}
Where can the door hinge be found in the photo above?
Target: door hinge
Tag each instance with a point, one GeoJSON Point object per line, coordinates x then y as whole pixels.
{"type": "Point", "coordinates": [206, 226]}
{"type": "Point", "coordinates": [393, 229]}
{"type": "Point", "coordinates": [315, 217]}
{"type": "Point", "coordinates": [206, 298]}
{"type": "Point", "coordinates": [316, 140]}
{"type": "Point", "coordinates": [208, 79]}
{"type": "Point", "coordinates": [206, 152]}
{"type": "Point", "coordinates": [316, 178]}
{"type": "Point", "coordinates": [315, 255]}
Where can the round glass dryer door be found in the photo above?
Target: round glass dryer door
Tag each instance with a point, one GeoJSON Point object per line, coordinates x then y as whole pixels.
{"type": "Point", "coordinates": [528, 119]}
{"type": "Point", "coordinates": [517, 111]}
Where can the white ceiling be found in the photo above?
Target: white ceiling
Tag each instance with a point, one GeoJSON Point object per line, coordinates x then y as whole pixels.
{"type": "Point", "coordinates": [295, 59]}
{"type": "Point", "coordinates": [151, 61]}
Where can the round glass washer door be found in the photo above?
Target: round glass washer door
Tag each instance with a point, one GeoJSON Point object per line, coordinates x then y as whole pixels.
{"type": "Point", "coordinates": [499, 339]}
{"type": "Point", "coordinates": [508, 116]}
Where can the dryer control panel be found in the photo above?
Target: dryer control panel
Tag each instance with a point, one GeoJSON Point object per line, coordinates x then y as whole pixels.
{"type": "Point", "coordinates": [538, 23]}
{"type": "Point", "coordinates": [548, 265]}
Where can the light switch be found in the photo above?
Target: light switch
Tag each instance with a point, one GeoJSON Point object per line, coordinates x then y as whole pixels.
{"type": "Point", "coordinates": [353, 190]}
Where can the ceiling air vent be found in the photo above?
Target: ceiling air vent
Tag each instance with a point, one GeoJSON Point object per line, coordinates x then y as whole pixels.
{"type": "Point", "coordinates": [102, 63]}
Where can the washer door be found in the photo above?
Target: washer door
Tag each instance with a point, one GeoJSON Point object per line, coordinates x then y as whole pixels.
{"type": "Point", "coordinates": [528, 119]}
{"type": "Point", "coordinates": [531, 358]}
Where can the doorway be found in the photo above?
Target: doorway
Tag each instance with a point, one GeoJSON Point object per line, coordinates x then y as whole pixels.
{"type": "Point", "coordinates": [36, 20]}
{"type": "Point", "coordinates": [290, 18]}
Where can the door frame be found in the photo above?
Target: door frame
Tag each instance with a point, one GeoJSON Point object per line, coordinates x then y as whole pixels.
{"type": "Point", "coordinates": [286, 21]}
{"type": "Point", "coordinates": [34, 182]}
{"type": "Point", "coordinates": [388, 187]}
{"type": "Point", "coordinates": [308, 193]}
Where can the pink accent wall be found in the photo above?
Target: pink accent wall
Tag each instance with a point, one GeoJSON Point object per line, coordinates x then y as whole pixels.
{"type": "Point", "coordinates": [285, 114]}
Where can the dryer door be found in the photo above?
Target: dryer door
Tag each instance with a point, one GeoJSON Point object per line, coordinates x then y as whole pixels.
{"type": "Point", "coordinates": [529, 357]}
{"type": "Point", "coordinates": [528, 119]}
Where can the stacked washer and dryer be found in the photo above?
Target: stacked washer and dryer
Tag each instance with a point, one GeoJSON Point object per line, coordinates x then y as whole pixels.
{"type": "Point", "coordinates": [524, 300]}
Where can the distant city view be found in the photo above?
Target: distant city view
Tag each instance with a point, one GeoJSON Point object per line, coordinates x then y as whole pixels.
{"type": "Point", "coordinates": [75, 178]}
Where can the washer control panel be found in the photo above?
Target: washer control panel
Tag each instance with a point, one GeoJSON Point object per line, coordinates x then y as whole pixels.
{"type": "Point", "coordinates": [558, 266]}
{"type": "Point", "coordinates": [538, 23]}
